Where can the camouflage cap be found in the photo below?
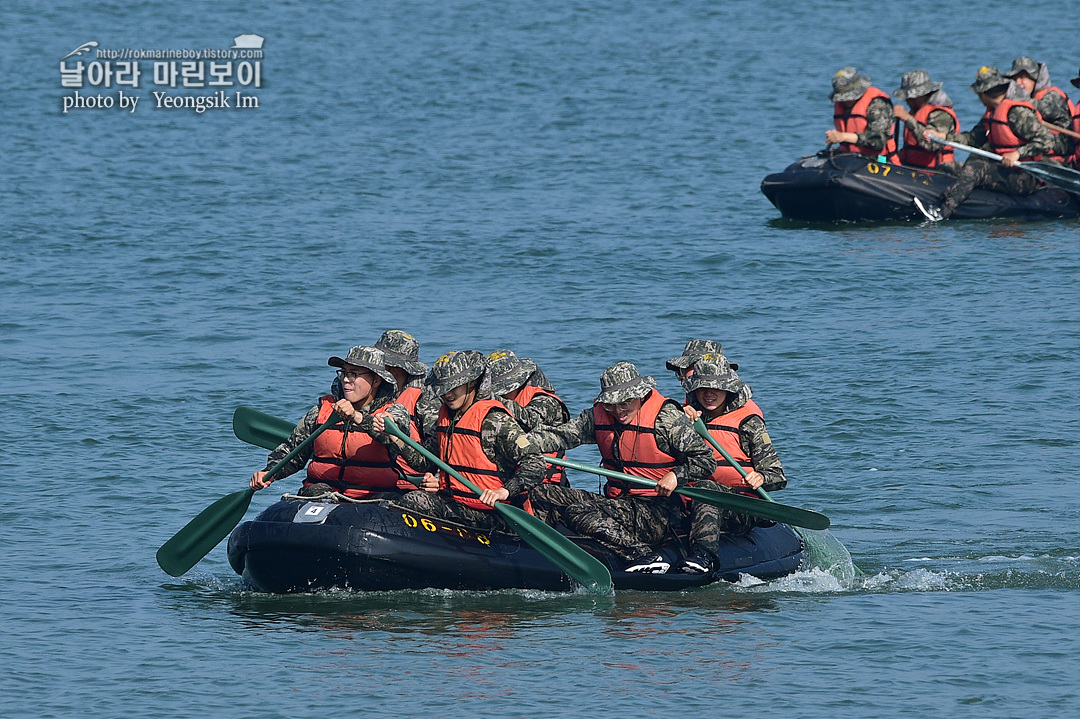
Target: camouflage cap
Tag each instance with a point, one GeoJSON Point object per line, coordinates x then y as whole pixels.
{"type": "Point", "coordinates": [848, 84]}
{"type": "Point", "coordinates": [508, 371]}
{"type": "Point", "coordinates": [916, 84]}
{"type": "Point", "coordinates": [621, 382]}
{"type": "Point", "coordinates": [402, 350]}
{"type": "Point", "coordinates": [987, 79]}
{"type": "Point", "coordinates": [713, 371]}
{"type": "Point", "coordinates": [692, 353]}
{"type": "Point", "coordinates": [454, 369]}
{"type": "Point", "coordinates": [1023, 64]}
{"type": "Point", "coordinates": [366, 357]}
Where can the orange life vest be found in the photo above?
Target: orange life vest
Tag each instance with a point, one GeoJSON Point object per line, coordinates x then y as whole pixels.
{"type": "Point", "coordinates": [462, 450]}
{"type": "Point", "coordinates": [1002, 139]}
{"type": "Point", "coordinates": [408, 399]}
{"type": "Point", "coordinates": [854, 120]}
{"type": "Point", "coordinates": [912, 154]}
{"type": "Point", "coordinates": [639, 454]}
{"type": "Point", "coordinates": [1075, 159]}
{"type": "Point", "coordinates": [1072, 113]}
{"type": "Point", "coordinates": [555, 474]}
{"type": "Point", "coordinates": [349, 459]}
{"type": "Point", "coordinates": [725, 430]}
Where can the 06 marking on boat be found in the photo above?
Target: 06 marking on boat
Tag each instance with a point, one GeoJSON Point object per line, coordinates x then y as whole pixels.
{"type": "Point", "coordinates": [413, 522]}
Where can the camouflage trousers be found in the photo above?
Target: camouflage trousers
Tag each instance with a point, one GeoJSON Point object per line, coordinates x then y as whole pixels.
{"type": "Point", "coordinates": [981, 172]}
{"type": "Point", "coordinates": [628, 525]}
{"type": "Point", "coordinates": [437, 505]}
{"type": "Point", "coordinates": [708, 523]}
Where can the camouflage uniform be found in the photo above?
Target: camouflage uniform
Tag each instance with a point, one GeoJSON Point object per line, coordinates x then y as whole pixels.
{"type": "Point", "coordinates": [708, 522]}
{"type": "Point", "coordinates": [386, 393]}
{"type": "Point", "coordinates": [915, 84]}
{"type": "Point", "coordinates": [628, 525]}
{"type": "Point", "coordinates": [981, 172]}
{"type": "Point", "coordinates": [501, 439]}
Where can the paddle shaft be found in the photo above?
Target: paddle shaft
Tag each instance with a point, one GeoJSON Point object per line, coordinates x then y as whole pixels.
{"type": "Point", "coordinates": [1059, 128]}
{"type": "Point", "coordinates": [393, 429]}
{"type": "Point", "coordinates": [332, 419]}
{"type": "Point", "coordinates": [700, 428]}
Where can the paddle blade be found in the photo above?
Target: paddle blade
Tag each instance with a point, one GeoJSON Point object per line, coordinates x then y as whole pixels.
{"type": "Point", "coordinates": [1065, 178]}
{"type": "Point", "coordinates": [586, 569]}
{"type": "Point", "coordinates": [260, 429]}
{"type": "Point", "coordinates": [758, 507]}
{"type": "Point", "coordinates": [203, 533]}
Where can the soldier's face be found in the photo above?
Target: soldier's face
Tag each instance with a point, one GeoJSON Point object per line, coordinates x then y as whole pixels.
{"type": "Point", "coordinates": [460, 397]}
{"type": "Point", "coordinates": [358, 383]}
{"type": "Point", "coordinates": [624, 412]}
{"type": "Point", "coordinates": [1025, 81]}
{"type": "Point", "coordinates": [711, 399]}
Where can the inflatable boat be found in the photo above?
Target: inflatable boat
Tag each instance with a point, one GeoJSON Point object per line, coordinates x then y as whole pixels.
{"type": "Point", "coordinates": [833, 187]}
{"type": "Point", "coordinates": [302, 545]}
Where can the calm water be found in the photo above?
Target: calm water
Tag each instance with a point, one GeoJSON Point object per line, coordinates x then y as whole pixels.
{"type": "Point", "coordinates": [578, 182]}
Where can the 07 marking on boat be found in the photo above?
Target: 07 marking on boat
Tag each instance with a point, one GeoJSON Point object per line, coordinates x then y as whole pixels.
{"type": "Point", "coordinates": [873, 168]}
{"type": "Point", "coordinates": [413, 522]}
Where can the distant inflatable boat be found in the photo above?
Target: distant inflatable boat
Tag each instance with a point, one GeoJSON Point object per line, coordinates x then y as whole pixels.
{"type": "Point", "coordinates": [837, 187]}
{"type": "Point", "coordinates": [299, 545]}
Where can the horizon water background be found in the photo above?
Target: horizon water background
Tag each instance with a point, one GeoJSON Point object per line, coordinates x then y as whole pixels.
{"type": "Point", "coordinates": [578, 183]}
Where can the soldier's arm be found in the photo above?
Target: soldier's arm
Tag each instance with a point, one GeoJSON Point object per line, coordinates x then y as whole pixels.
{"type": "Point", "coordinates": [755, 442]}
{"type": "Point", "coordinates": [302, 431]}
{"type": "Point", "coordinates": [1025, 124]}
{"type": "Point", "coordinates": [879, 124]}
{"type": "Point", "coordinates": [415, 459]}
{"type": "Point", "coordinates": [401, 418]}
{"type": "Point", "coordinates": [675, 435]}
{"type": "Point", "coordinates": [977, 136]}
{"type": "Point", "coordinates": [578, 431]}
{"type": "Point", "coordinates": [505, 443]}
{"type": "Point", "coordinates": [939, 121]}
{"type": "Point", "coordinates": [544, 410]}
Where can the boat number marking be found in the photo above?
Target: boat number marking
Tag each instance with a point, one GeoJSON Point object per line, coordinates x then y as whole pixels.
{"type": "Point", "coordinates": [873, 168]}
{"type": "Point", "coordinates": [411, 521]}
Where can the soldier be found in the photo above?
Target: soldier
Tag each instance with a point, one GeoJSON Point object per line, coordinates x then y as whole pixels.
{"type": "Point", "coordinates": [1033, 81]}
{"type": "Point", "coordinates": [1010, 128]}
{"type": "Point", "coordinates": [529, 397]}
{"type": "Point", "coordinates": [639, 432]}
{"type": "Point", "coordinates": [722, 401]}
{"type": "Point", "coordinates": [402, 354]}
{"type": "Point", "coordinates": [863, 117]}
{"type": "Point", "coordinates": [476, 436]}
{"type": "Point", "coordinates": [933, 109]}
{"type": "Point", "coordinates": [350, 457]}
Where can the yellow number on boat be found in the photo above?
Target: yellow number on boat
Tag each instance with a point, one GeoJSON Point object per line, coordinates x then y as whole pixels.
{"type": "Point", "coordinates": [885, 171]}
{"type": "Point", "coordinates": [410, 521]}
{"type": "Point", "coordinates": [873, 168]}
{"type": "Point", "coordinates": [428, 524]}
{"type": "Point", "coordinates": [482, 538]}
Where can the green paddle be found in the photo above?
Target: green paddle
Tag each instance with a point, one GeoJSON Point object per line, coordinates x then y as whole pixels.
{"type": "Point", "coordinates": [728, 500]}
{"type": "Point", "coordinates": [563, 553]}
{"type": "Point", "coordinates": [700, 428]}
{"type": "Point", "coordinates": [214, 523]}
{"type": "Point", "coordinates": [260, 429]}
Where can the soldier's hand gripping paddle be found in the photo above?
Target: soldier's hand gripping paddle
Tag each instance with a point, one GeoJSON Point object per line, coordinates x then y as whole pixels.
{"type": "Point", "coordinates": [567, 556]}
{"type": "Point", "coordinates": [728, 500]}
{"type": "Point", "coordinates": [184, 550]}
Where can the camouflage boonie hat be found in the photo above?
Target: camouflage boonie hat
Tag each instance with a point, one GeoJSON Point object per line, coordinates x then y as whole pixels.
{"type": "Point", "coordinates": [621, 382]}
{"type": "Point", "coordinates": [713, 371]}
{"type": "Point", "coordinates": [402, 350]}
{"type": "Point", "coordinates": [916, 84]}
{"type": "Point", "coordinates": [848, 84]}
{"type": "Point", "coordinates": [366, 357]}
{"type": "Point", "coordinates": [987, 79]}
{"type": "Point", "coordinates": [454, 369]}
{"type": "Point", "coordinates": [1024, 64]}
{"type": "Point", "coordinates": [692, 353]}
{"type": "Point", "coordinates": [508, 371]}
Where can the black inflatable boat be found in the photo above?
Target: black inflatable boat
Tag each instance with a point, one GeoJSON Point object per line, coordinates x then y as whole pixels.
{"type": "Point", "coordinates": [298, 545]}
{"type": "Point", "coordinates": [834, 186]}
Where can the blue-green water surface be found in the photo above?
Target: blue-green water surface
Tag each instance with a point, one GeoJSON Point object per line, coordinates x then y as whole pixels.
{"type": "Point", "coordinates": [577, 182]}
